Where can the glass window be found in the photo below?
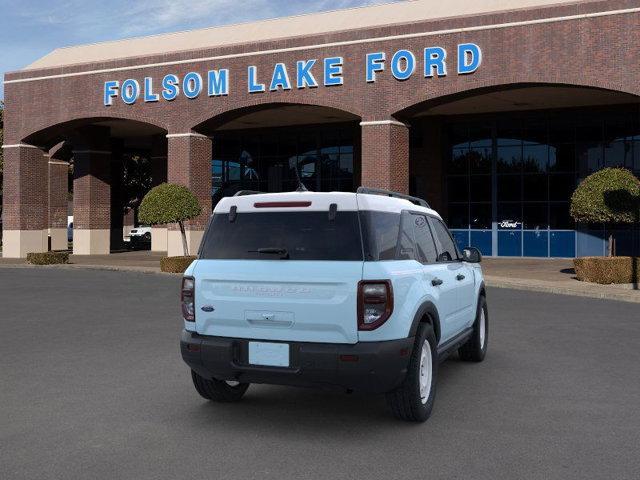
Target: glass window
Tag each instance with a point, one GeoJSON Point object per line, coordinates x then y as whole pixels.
{"type": "Point", "coordinates": [559, 217]}
{"type": "Point", "coordinates": [589, 157]}
{"type": "Point", "coordinates": [535, 158]}
{"type": "Point", "coordinates": [480, 160]}
{"type": "Point", "coordinates": [459, 215]}
{"type": "Point", "coordinates": [481, 188]}
{"type": "Point", "coordinates": [424, 241]}
{"type": "Point", "coordinates": [534, 188]}
{"type": "Point", "coordinates": [458, 189]}
{"type": "Point", "coordinates": [297, 235]}
{"type": "Point", "coordinates": [562, 158]}
{"type": "Point", "coordinates": [618, 154]}
{"type": "Point", "coordinates": [480, 136]}
{"type": "Point", "coordinates": [459, 161]}
{"type": "Point", "coordinates": [380, 234]}
{"type": "Point", "coordinates": [446, 247]}
{"type": "Point", "coordinates": [510, 216]}
{"type": "Point", "coordinates": [509, 159]}
{"type": "Point", "coordinates": [480, 216]}
{"type": "Point", "coordinates": [535, 216]}
{"type": "Point", "coordinates": [561, 187]}
{"type": "Point", "coordinates": [509, 188]}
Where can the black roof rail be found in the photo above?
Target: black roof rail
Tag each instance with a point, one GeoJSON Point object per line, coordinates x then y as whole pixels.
{"type": "Point", "coordinates": [242, 193]}
{"type": "Point", "coordinates": [389, 193]}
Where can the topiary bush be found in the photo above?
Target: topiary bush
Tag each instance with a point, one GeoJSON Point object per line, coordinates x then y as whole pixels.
{"type": "Point", "coordinates": [611, 195]}
{"type": "Point", "coordinates": [170, 203]}
{"type": "Point", "coordinates": [607, 270]}
{"type": "Point", "coordinates": [48, 258]}
{"type": "Point", "coordinates": [175, 264]}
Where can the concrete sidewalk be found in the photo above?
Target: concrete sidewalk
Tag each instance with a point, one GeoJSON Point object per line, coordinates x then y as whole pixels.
{"type": "Point", "coordinates": [552, 276]}
{"type": "Point", "coordinates": [533, 274]}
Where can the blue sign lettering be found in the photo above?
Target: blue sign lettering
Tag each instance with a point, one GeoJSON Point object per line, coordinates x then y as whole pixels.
{"type": "Point", "coordinates": [402, 66]}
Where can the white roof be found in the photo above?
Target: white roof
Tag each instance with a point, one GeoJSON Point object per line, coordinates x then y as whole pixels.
{"type": "Point", "coordinates": [278, 28]}
{"type": "Point", "coordinates": [318, 202]}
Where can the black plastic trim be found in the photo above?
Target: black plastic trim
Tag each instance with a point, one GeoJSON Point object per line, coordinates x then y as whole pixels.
{"type": "Point", "coordinates": [426, 308]}
{"type": "Point", "coordinates": [380, 366]}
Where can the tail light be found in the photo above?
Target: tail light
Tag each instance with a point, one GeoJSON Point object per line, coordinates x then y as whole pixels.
{"type": "Point", "coordinates": [187, 299]}
{"type": "Point", "coordinates": [375, 303]}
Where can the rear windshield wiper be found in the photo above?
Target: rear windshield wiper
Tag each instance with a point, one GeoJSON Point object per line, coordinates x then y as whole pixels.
{"type": "Point", "coordinates": [284, 254]}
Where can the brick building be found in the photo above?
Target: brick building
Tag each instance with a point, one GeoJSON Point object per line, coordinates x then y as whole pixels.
{"type": "Point", "coordinates": [492, 110]}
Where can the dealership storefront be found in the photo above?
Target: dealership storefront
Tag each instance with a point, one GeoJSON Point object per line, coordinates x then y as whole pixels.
{"type": "Point", "coordinates": [492, 116]}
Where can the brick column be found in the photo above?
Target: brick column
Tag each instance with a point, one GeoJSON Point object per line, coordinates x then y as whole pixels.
{"type": "Point", "coordinates": [58, 191]}
{"type": "Point", "coordinates": [189, 164]}
{"type": "Point", "coordinates": [159, 175]}
{"type": "Point", "coordinates": [385, 155]}
{"type": "Point", "coordinates": [25, 210]}
{"type": "Point", "coordinates": [92, 192]}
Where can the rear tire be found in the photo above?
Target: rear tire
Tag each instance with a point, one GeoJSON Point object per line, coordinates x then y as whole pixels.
{"type": "Point", "coordinates": [413, 400]}
{"type": "Point", "coordinates": [476, 347]}
{"type": "Point", "coordinates": [218, 390]}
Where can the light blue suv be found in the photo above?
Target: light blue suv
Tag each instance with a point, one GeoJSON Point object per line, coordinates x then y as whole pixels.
{"type": "Point", "coordinates": [357, 291]}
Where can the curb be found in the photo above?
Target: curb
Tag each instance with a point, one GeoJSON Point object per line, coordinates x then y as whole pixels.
{"type": "Point", "coordinates": [74, 266]}
{"type": "Point", "coordinates": [604, 291]}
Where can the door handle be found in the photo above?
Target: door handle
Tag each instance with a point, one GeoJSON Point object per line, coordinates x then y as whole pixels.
{"type": "Point", "coordinates": [460, 277]}
{"type": "Point", "coordinates": [436, 281]}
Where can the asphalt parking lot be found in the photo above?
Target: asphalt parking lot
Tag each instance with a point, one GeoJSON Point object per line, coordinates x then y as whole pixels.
{"type": "Point", "coordinates": [92, 386]}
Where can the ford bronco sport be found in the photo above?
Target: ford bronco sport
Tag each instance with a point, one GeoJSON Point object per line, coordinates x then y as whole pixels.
{"type": "Point", "coordinates": [360, 291]}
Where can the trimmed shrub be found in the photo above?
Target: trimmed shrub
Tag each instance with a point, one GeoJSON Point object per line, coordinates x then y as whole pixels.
{"type": "Point", "coordinates": [611, 195]}
{"type": "Point", "coordinates": [48, 258]}
{"type": "Point", "coordinates": [175, 264]}
{"type": "Point", "coordinates": [170, 203]}
{"type": "Point", "coordinates": [607, 270]}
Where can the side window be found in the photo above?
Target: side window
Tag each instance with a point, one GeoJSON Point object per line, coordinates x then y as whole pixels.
{"type": "Point", "coordinates": [424, 240]}
{"type": "Point", "coordinates": [406, 248]}
{"type": "Point", "coordinates": [447, 251]}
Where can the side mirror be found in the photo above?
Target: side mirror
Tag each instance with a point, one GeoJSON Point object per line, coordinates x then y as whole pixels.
{"type": "Point", "coordinates": [471, 255]}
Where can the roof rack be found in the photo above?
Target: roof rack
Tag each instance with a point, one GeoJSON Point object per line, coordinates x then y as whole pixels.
{"type": "Point", "coordinates": [389, 193]}
{"type": "Point", "coordinates": [242, 193]}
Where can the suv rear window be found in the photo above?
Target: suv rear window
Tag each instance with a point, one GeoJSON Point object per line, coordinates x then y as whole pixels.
{"type": "Point", "coordinates": [302, 235]}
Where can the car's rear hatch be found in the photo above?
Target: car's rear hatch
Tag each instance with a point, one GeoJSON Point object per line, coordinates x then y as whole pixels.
{"type": "Point", "coordinates": [281, 271]}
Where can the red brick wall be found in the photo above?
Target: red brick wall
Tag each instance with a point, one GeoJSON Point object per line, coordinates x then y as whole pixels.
{"type": "Point", "coordinates": [26, 186]}
{"type": "Point", "coordinates": [58, 192]}
{"type": "Point", "coordinates": [385, 156]}
{"type": "Point", "coordinates": [189, 164]}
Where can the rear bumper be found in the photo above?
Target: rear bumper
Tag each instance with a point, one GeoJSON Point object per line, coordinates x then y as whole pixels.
{"type": "Point", "coordinates": [374, 367]}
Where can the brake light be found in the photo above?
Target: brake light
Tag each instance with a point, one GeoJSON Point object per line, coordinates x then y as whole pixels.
{"type": "Point", "coordinates": [281, 204]}
{"type": "Point", "coordinates": [187, 298]}
{"type": "Point", "coordinates": [375, 303]}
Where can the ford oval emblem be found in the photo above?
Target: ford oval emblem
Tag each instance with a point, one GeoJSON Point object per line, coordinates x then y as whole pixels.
{"type": "Point", "coordinates": [207, 308]}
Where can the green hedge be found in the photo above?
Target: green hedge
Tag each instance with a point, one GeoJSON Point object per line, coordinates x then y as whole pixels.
{"type": "Point", "coordinates": [48, 258]}
{"type": "Point", "coordinates": [607, 270]}
{"type": "Point", "coordinates": [611, 195]}
{"type": "Point", "coordinates": [175, 264]}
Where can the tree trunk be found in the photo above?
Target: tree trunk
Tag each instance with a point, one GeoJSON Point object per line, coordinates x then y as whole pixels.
{"type": "Point", "coordinates": [185, 247]}
{"type": "Point", "coordinates": [610, 249]}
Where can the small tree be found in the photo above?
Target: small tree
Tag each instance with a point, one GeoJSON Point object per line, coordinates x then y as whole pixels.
{"type": "Point", "coordinates": [169, 203]}
{"type": "Point", "coordinates": [611, 195]}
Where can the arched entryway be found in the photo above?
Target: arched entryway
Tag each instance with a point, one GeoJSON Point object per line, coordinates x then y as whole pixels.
{"type": "Point", "coordinates": [273, 147]}
{"type": "Point", "coordinates": [500, 164]}
{"type": "Point", "coordinates": [100, 166]}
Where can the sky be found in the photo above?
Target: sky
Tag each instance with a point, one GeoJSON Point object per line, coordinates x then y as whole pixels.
{"type": "Point", "coordinates": [29, 29]}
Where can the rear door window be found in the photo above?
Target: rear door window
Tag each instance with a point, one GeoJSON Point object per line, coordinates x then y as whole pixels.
{"type": "Point", "coordinates": [425, 244]}
{"type": "Point", "coordinates": [447, 251]}
{"type": "Point", "coordinates": [283, 235]}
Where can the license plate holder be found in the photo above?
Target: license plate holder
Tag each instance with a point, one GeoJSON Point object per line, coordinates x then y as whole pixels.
{"type": "Point", "coordinates": [269, 354]}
